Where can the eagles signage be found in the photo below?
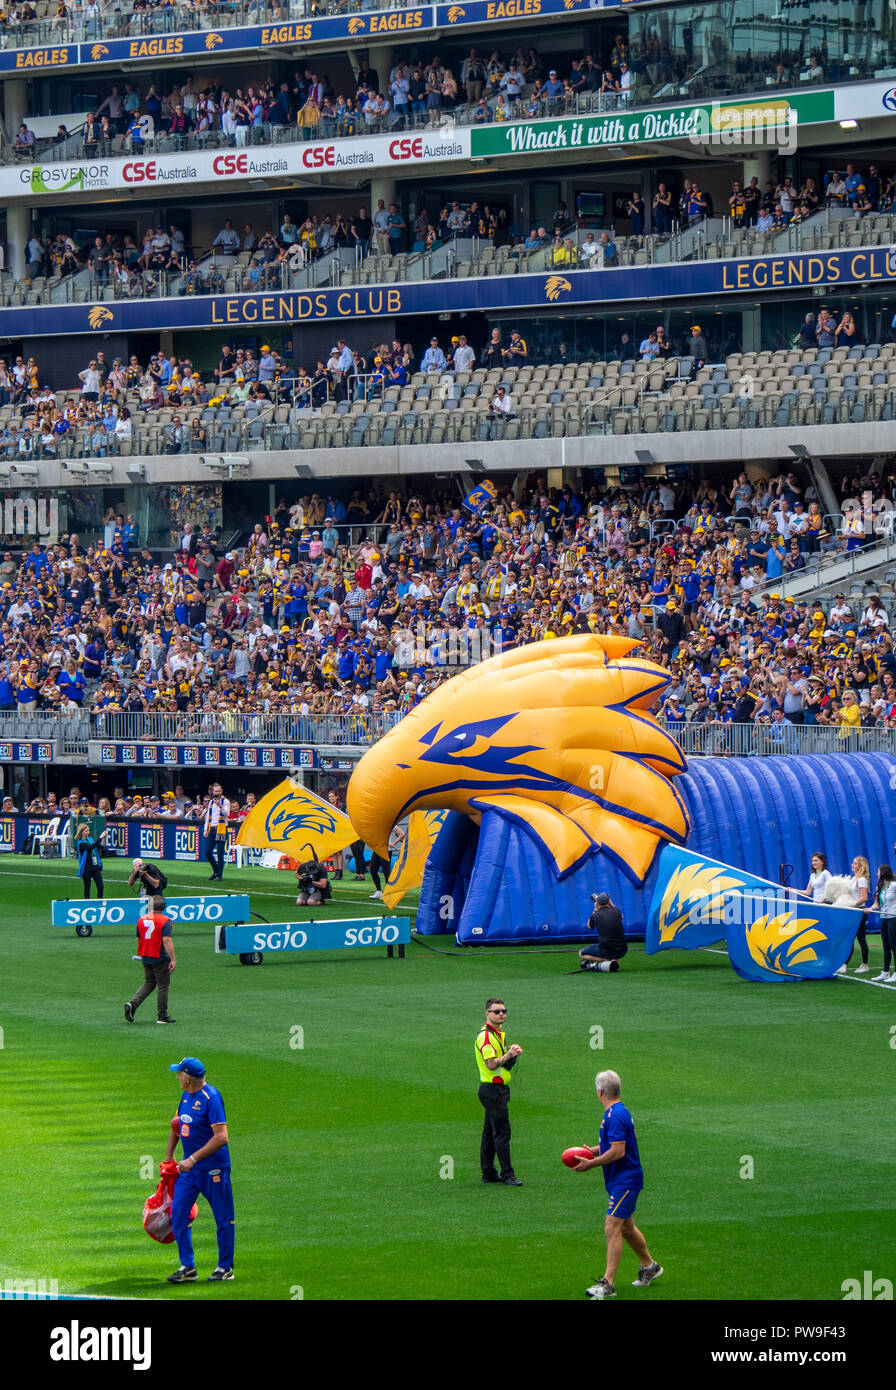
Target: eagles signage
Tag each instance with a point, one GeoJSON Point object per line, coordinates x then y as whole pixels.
{"type": "Point", "coordinates": [381, 24]}
{"type": "Point", "coordinates": [569, 288]}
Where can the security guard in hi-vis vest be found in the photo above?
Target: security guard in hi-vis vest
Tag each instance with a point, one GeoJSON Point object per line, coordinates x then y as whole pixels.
{"type": "Point", "coordinates": [495, 1060]}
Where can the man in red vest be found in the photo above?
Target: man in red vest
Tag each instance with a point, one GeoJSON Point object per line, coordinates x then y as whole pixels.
{"type": "Point", "coordinates": [156, 954]}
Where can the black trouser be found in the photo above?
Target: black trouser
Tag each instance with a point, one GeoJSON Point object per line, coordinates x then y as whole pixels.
{"type": "Point", "coordinates": [357, 852]}
{"type": "Point", "coordinates": [861, 939]}
{"type": "Point", "coordinates": [888, 938]}
{"type": "Point", "coordinates": [156, 975]}
{"type": "Point", "coordinates": [92, 875]}
{"type": "Point", "coordinates": [378, 865]}
{"type": "Point", "coordinates": [214, 853]}
{"type": "Point", "coordinates": [495, 1130]}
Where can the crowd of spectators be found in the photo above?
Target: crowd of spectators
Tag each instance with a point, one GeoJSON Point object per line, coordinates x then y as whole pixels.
{"type": "Point", "coordinates": [161, 261]}
{"type": "Point", "coordinates": [75, 809]}
{"type": "Point", "coordinates": [362, 608]}
{"type": "Point", "coordinates": [497, 86]}
{"type": "Point", "coordinates": [113, 396]}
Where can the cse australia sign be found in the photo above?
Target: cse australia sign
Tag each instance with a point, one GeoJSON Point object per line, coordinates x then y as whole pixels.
{"type": "Point", "coordinates": [210, 166]}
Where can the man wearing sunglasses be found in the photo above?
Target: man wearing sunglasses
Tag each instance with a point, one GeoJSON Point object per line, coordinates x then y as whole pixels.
{"type": "Point", "coordinates": [495, 1060]}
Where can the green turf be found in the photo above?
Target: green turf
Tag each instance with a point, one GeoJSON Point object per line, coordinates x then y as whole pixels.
{"type": "Point", "coordinates": [337, 1147]}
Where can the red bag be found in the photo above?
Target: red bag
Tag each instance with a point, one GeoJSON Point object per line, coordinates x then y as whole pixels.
{"type": "Point", "coordinates": [157, 1208]}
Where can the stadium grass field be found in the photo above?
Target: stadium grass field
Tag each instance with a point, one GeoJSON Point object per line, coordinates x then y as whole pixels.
{"type": "Point", "coordinates": [338, 1146]}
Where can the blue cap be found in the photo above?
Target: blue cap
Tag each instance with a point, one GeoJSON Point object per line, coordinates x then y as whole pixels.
{"type": "Point", "coordinates": [191, 1065]}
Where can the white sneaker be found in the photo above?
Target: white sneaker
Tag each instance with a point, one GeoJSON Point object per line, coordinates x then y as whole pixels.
{"type": "Point", "coordinates": [841, 971]}
{"type": "Point", "coordinates": [601, 1290]}
{"type": "Point", "coordinates": [862, 969]}
{"type": "Point", "coordinates": [646, 1275]}
{"type": "Point", "coordinates": [882, 977]}
{"type": "Point", "coordinates": [891, 978]}
{"type": "Point", "coordinates": [376, 895]}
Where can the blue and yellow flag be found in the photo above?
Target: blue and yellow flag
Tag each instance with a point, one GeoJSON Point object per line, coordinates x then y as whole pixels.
{"type": "Point", "coordinates": [482, 496]}
{"type": "Point", "coordinates": [772, 933]}
{"type": "Point", "coordinates": [407, 871]}
{"type": "Point", "coordinates": [296, 822]}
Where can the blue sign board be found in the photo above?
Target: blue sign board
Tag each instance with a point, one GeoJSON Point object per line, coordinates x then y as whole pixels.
{"type": "Point", "coordinates": [806, 271]}
{"type": "Point", "coordinates": [259, 756]}
{"type": "Point", "coordinates": [316, 936]}
{"type": "Point", "coordinates": [379, 25]}
{"type": "Point", "coordinates": [126, 912]}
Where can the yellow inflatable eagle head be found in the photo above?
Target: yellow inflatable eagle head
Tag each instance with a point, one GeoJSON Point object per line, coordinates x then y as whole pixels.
{"type": "Point", "coordinates": [555, 735]}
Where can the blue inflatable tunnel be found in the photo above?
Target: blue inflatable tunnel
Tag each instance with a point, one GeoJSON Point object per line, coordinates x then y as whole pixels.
{"type": "Point", "coordinates": [493, 882]}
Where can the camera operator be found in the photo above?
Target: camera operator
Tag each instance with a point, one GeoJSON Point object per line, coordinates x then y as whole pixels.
{"type": "Point", "coordinates": [314, 884]}
{"type": "Point", "coordinates": [611, 945]}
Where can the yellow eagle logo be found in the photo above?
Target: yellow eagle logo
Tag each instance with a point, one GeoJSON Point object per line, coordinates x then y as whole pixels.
{"type": "Point", "coordinates": [213, 40]}
{"type": "Point", "coordinates": [555, 285]}
{"type": "Point", "coordinates": [355, 25]}
{"type": "Point", "coordinates": [98, 316]}
{"type": "Point", "coordinates": [779, 943]}
{"type": "Point", "coordinates": [455, 13]}
{"type": "Point", "coordinates": [557, 736]}
{"type": "Point", "coordinates": [98, 51]}
{"type": "Point", "coordinates": [570, 4]}
{"type": "Point", "coordinates": [694, 888]}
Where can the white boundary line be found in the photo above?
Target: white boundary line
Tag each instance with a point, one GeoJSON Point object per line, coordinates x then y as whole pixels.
{"type": "Point", "coordinates": [878, 984]}
{"type": "Point", "coordinates": [189, 887]}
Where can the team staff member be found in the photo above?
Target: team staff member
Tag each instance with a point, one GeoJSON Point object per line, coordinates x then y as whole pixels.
{"type": "Point", "coordinates": [495, 1059]}
{"type": "Point", "coordinates": [617, 1154]}
{"type": "Point", "coordinates": [156, 953]}
{"type": "Point", "coordinates": [150, 877]}
{"type": "Point", "coordinates": [215, 831]}
{"type": "Point", "coordinates": [611, 945]}
{"type": "Point", "coordinates": [90, 864]}
{"type": "Point", "coordinates": [204, 1168]}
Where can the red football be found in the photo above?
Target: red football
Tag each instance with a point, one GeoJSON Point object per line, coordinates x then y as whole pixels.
{"type": "Point", "coordinates": [572, 1157]}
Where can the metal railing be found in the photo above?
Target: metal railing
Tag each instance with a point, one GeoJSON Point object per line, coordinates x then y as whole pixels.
{"type": "Point", "coordinates": [233, 727]}
{"type": "Point", "coordinates": [44, 725]}
{"type": "Point", "coordinates": [710, 739]}
{"type": "Point", "coordinates": [713, 739]}
{"type": "Point", "coordinates": [356, 126]}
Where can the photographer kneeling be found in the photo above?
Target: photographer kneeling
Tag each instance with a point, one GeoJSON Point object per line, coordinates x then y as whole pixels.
{"type": "Point", "coordinates": [314, 884]}
{"type": "Point", "coordinates": [611, 945]}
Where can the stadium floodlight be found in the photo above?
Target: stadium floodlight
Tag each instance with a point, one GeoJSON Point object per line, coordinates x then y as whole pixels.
{"type": "Point", "coordinates": [136, 472]}
{"type": "Point", "coordinates": [304, 470]}
{"type": "Point", "coordinates": [799, 449]}
{"type": "Point", "coordinates": [100, 468]}
{"type": "Point", "coordinates": [26, 470]}
{"type": "Point", "coordinates": [644, 456]}
{"type": "Point", "coordinates": [76, 467]}
{"type": "Point", "coordinates": [5, 471]}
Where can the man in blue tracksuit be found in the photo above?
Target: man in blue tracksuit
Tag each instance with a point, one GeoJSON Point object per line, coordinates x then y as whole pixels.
{"type": "Point", "coordinates": [617, 1153]}
{"type": "Point", "coordinates": [204, 1169]}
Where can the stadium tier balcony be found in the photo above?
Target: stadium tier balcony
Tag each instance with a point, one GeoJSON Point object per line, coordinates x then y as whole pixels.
{"type": "Point", "coordinates": [352, 733]}
{"type": "Point", "coordinates": [49, 28]}
{"type": "Point", "coordinates": [784, 389]}
{"type": "Point", "coordinates": [457, 259]}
